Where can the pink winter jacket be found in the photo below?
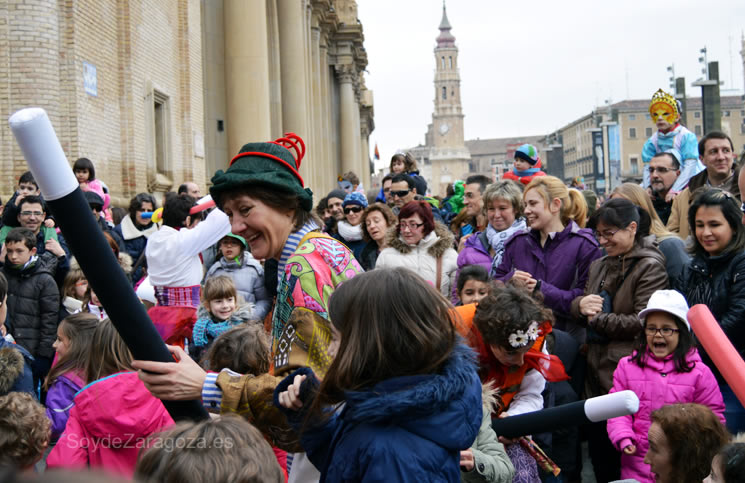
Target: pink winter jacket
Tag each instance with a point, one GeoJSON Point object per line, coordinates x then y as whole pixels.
{"type": "Point", "coordinates": [108, 425]}
{"type": "Point", "coordinates": [656, 385]}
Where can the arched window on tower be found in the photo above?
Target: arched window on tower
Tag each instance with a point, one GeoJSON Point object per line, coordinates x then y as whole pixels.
{"type": "Point", "coordinates": [451, 61]}
{"type": "Point", "coordinates": [444, 93]}
{"type": "Point", "coordinates": [443, 61]}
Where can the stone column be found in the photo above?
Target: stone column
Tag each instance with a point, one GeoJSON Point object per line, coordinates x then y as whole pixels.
{"type": "Point", "coordinates": [365, 153]}
{"type": "Point", "coordinates": [246, 73]}
{"type": "Point", "coordinates": [349, 115]}
{"type": "Point", "coordinates": [291, 16]}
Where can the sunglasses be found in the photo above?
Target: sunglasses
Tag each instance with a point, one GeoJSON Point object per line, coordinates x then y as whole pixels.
{"type": "Point", "coordinates": [400, 194]}
{"type": "Point", "coordinates": [352, 209]}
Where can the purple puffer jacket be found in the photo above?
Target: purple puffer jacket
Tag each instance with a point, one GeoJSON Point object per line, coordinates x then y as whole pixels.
{"type": "Point", "coordinates": [474, 252]}
{"type": "Point", "coordinates": [656, 385]}
{"type": "Point", "coordinates": [60, 399]}
{"type": "Point", "coordinates": [562, 265]}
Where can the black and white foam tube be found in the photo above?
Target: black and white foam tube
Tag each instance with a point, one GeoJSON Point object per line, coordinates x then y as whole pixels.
{"type": "Point", "coordinates": [593, 410]}
{"type": "Point", "coordinates": [46, 160]}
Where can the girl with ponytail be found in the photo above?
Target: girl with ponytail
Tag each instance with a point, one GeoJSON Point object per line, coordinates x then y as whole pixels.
{"type": "Point", "coordinates": [619, 287]}
{"type": "Point", "coordinates": [554, 257]}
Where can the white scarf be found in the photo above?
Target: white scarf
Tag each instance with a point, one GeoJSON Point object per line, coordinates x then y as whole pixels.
{"type": "Point", "coordinates": [497, 239]}
{"type": "Point", "coordinates": [349, 232]}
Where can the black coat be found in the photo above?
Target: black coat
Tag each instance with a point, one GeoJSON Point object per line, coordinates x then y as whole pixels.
{"type": "Point", "coordinates": [369, 255]}
{"type": "Point", "coordinates": [33, 305]}
{"type": "Point", "coordinates": [719, 283]}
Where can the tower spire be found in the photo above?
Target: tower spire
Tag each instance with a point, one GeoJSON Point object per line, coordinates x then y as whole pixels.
{"type": "Point", "coordinates": [445, 39]}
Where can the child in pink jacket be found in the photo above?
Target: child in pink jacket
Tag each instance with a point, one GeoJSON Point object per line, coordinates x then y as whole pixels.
{"type": "Point", "coordinates": [665, 369]}
{"type": "Point", "coordinates": [113, 415]}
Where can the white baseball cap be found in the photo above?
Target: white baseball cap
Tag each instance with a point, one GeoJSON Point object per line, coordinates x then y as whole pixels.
{"type": "Point", "coordinates": [670, 301]}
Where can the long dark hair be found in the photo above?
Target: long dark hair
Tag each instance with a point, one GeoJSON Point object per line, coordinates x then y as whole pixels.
{"type": "Point", "coordinates": [730, 210]}
{"type": "Point", "coordinates": [685, 344]}
{"type": "Point", "coordinates": [392, 323]}
{"type": "Point", "coordinates": [620, 212]}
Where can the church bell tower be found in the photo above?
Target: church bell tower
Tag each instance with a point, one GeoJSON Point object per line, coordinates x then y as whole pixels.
{"type": "Point", "coordinates": [449, 155]}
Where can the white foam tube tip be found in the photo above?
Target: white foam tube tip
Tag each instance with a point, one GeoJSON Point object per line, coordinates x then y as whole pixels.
{"type": "Point", "coordinates": [621, 403]}
{"type": "Point", "coordinates": [204, 199]}
{"type": "Point", "coordinates": [41, 148]}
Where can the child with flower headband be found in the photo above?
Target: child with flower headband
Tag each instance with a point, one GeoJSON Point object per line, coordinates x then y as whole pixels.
{"type": "Point", "coordinates": [665, 112]}
{"type": "Point", "coordinates": [507, 329]}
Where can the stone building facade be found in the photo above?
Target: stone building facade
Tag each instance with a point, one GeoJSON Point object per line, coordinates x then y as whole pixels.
{"type": "Point", "coordinates": [280, 66]}
{"type": "Point", "coordinates": [121, 81]}
{"type": "Point", "coordinates": [157, 92]}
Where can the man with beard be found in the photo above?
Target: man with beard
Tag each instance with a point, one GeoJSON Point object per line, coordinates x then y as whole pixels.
{"type": "Point", "coordinates": [664, 169]}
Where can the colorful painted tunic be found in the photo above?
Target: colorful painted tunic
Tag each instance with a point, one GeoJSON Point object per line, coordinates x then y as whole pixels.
{"type": "Point", "coordinates": [300, 330]}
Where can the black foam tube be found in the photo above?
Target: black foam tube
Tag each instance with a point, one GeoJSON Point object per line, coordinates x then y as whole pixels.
{"type": "Point", "coordinates": [544, 421]}
{"type": "Point", "coordinates": [92, 251]}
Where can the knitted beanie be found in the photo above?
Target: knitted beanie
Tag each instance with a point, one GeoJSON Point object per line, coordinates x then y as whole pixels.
{"type": "Point", "coordinates": [270, 164]}
{"type": "Point", "coordinates": [340, 194]}
{"type": "Point", "coordinates": [355, 199]}
{"type": "Point", "coordinates": [527, 152]}
{"type": "Point", "coordinates": [93, 199]}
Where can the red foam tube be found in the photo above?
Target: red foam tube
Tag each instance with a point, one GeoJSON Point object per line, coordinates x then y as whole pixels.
{"type": "Point", "coordinates": [719, 348]}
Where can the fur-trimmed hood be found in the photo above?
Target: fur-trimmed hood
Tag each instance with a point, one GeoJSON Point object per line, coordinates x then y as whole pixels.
{"type": "Point", "coordinates": [445, 407]}
{"type": "Point", "coordinates": [13, 360]}
{"type": "Point", "coordinates": [11, 368]}
{"type": "Point", "coordinates": [437, 241]}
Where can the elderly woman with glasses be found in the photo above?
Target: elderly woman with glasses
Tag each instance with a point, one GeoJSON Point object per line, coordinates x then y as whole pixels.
{"type": "Point", "coordinates": [618, 288]}
{"type": "Point", "coordinates": [716, 277]}
{"type": "Point", "coordinates": [420, 244]}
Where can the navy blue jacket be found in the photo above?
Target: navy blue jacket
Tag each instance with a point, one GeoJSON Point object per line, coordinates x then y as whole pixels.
{"type": "Point", "coordinates": [405, 429]}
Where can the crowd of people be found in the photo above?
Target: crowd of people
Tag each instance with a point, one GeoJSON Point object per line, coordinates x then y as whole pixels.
{"type": "Point", "coordinates": [376, 335]}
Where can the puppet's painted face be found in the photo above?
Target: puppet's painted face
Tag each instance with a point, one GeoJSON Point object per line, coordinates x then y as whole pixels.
{"type": "Point", "coordinates": [663, 115]}
{"type": "Point", "coordinates": [345, 185]}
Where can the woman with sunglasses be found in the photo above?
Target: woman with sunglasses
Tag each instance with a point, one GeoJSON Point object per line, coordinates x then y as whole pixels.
{"type": "Point", "coordinates": [618, 288]}
{"type": "Point", "coordinates": [716, 277]}
{"type": "Point", "coordinates": [421, 245]}
{"type": "Point", "coordinates": [349, 230]}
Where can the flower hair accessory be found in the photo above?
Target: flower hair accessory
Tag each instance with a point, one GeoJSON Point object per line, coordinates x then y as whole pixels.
{"type": "Point", "coordinates": [521, 338]}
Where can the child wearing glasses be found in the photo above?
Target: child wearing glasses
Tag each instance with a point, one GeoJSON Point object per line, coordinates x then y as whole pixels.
{"type": "Point", "coordinates": [349, 230]}
{"type": "Point", "coordinates": [664, 369]}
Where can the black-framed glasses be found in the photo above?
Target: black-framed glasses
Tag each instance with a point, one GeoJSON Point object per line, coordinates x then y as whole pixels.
{"type": "Point", "coordinates": [30, 213]}
{"type": "Point", "coordinates": [410, 226]}
{"type": "Point", "coordinates": [664, 331]}
{"type": "Point", "coordinates": [607, 234]}
{"type": "Point", "coordinates": [352, 209]}
{"type": "Point", "coordinates": [661, 170]}
{"type": "Point", "coordinates": [400, 193]}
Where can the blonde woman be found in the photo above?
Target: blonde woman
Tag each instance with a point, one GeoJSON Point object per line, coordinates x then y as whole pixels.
{"type": "Point", "coordinates": [668, 242]}
{"type": "Point", "coordinates": [554, 257]}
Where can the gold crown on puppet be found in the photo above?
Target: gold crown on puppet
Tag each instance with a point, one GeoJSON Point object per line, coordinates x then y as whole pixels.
{"type": "Point", "coordinates": [663, 97]}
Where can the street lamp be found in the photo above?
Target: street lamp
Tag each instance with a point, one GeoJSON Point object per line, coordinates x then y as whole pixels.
{"type": "Point", "coordinates": [703, 60]}
{"type": "Point", "coordinates": [671, 69]}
